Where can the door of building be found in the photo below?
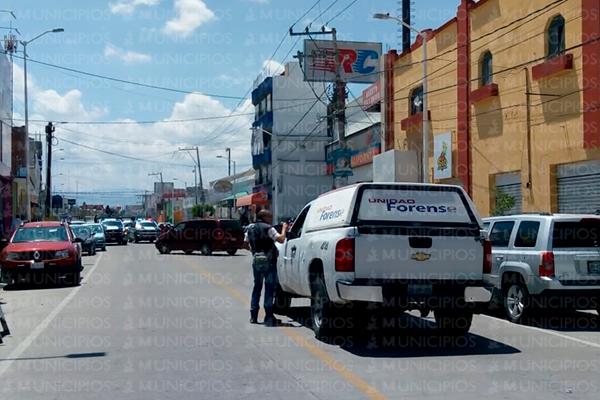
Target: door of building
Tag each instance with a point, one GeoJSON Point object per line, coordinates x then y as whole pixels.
{"type": "Point", "coordinates": [578, 187]}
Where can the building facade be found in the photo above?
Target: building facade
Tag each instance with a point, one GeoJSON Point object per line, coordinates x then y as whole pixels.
{"type": "Point", "coordinates": [288, 143]}
{"type": "Point", "coordinates": [6, 109]}
{"type": "Point", "coordinates": [20, 185]}
{"type": "Point", "coordinates": [514, 86]}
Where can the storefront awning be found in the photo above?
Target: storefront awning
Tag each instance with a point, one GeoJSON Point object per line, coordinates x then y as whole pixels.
{"type": "Point", "coordinates": [259, 199]}
{"type": "Point", "coordinates": [235, 196]}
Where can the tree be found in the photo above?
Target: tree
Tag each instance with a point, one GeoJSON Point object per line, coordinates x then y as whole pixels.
{"type": "Point", "coordinates": [504, 202]}
{"type": "Point", "coordinates": [201, 210]}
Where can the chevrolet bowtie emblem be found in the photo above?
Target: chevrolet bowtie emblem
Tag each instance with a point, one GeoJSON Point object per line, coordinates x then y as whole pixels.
{"type": "Point", "coordinates": [420, 256]}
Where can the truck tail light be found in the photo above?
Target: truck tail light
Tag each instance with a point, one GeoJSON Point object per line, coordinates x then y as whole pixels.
{"type": "Point", "coordinates": [547, 264]}
{"type": "Point", "coordinates": [487, 257]}
{"type": "Point", "coordinates": [344, 255]}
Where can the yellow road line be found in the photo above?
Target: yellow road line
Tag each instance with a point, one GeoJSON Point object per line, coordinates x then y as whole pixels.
{"type": "Point", "coordinates": [349, 376]}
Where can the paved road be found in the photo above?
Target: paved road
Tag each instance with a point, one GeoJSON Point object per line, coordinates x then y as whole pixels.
{"type": "Point", "coordinates": [148, 326]}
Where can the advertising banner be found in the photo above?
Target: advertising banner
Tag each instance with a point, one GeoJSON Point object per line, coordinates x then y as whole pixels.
{"type": "Point", "coordinates": [359, 61]}
{"type": "Point", "coordinates": [442, 156]}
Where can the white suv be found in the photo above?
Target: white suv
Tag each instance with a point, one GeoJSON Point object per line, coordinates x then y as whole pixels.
{"type": "Point", "coordinates": [545, 260]}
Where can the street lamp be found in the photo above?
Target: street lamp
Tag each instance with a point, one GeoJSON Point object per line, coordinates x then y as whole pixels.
{"type": "Point", "coordinates": [423, 35]}
{"type": "Point", "coordinates": [228, 158]}
{"type": "Point", "coordinates": [24, 43]}
{"type": "Point", "coordinates": [230, 161]}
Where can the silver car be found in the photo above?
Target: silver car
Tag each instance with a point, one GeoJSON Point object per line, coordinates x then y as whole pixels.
{"type": "Point", "coordinates": [98, 232]}
{"type": "Point", "coordinates": [545, 260]}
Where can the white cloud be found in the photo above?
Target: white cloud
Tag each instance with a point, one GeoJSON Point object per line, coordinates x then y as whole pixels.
{"type": "Point", "coordinates": [127, 7]}
{"type": "Point", "coordinates": [127, 56]}
{"type": "Point", "coordinates": [51, 104]}
{"type": "Point", "coordinates": [95, 171]}
{"type": "Point", "coordinates": [190, 14]}
{"type": "Point", "coordinates": [89, 170]}
{"type": "Point", "coordinates": [272, 67]}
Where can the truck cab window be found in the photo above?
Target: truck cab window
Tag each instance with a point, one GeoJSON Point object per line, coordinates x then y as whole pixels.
{"type": "Point", "coordinates": [296, 230]}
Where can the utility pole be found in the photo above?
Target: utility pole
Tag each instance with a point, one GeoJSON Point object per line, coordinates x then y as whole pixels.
{"type": "Point", "coordinates": [26, 107]}
{"type": "Point", "coordinates": [196, 185]}
{"type": "Point", "coordinates": [340, 93]}
{"type": "Point", "coordinates": [24, 43]}
{"type": "Point", "coordinates": [49, 131]}
{"type": "Point", "coordinates": [228, 150]}
{"type": "Point", "coordinates": [197, 161]}
{"type": "Point", "coordinates": [162, 190]}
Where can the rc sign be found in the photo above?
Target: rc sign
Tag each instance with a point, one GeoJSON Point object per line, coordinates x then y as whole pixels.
{"type": "Point", "coordinates": [359, 61]}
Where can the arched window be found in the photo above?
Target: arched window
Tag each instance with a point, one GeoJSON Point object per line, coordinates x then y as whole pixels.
{"type": "Point", "coordinates": [556, 36]}
{"type": "Point", "coordinates": [416, 100]}
{"type": "Point", "coordinates": [486, 69]}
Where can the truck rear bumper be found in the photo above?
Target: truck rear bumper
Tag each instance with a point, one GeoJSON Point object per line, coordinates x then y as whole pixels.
{"type": "Point", "coordinates": [403, 292]}
{"type": "Point", "coordinates": [351, 292]}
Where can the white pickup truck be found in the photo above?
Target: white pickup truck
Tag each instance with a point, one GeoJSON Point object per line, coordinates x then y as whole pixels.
{"type": "Point", "coordinates": [404, 246]}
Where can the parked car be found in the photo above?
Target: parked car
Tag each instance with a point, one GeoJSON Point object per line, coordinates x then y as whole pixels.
{"type": "Point", "coordinates": [40, 250]}
{"type": "Point", "coordinates": [114, 231]}
{"type": "Point", "coordinates": [545, 260]}
{"type": "Point", "coordinates": [204, 235]}
{"type": "Point", "coordinates": [77, 222]}
{"type": "Point", "coordinates": [396, 247]}
{"type": "Point", "coordinates": [98, 232]}
{"type": "Point", "coordinates": [88, 240]}
{"type": "Point", "coordinates": [145, 230]}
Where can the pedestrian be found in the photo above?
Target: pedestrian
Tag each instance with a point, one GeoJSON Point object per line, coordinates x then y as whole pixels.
{"type": "Point", "coordinates": [244, 220]}
{"type": "Point", "coordinates": [260, 238]}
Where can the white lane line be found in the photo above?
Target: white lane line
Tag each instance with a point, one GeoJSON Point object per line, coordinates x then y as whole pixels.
{"type": "Point", "coordinates": [21, 348]}
{"type": "Point", "coordinates": [546, 331]}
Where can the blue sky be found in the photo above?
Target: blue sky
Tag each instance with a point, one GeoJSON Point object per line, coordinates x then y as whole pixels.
{"type": "Point", "coordinates": [213, 47]}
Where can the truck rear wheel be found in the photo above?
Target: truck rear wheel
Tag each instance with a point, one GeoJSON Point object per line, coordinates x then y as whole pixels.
{"type": "Point", "coordinates": [321, 310]}
{"type": "Point", "coordinates": [453, 322]}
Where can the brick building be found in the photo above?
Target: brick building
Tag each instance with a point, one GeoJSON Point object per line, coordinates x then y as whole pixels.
{"type": "Point", "coordinates": [515, 84]}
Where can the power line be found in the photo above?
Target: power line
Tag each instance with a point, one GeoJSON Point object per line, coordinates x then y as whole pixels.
{"type": "Point", "coordinates": [516, 66]}
{"type": "Point", "coordinates": [323, 12]}
{"type": "Point", "coordinates": [306, 13]}
{"type": "Point", "coordinates": [285, 35]}
{"type": "Point", "coordinates": [169, 121]}
{"type": "Point", "coordinates": [120, 155]}
{"type": "Point", "coordinates": [141, 84]}
{"type": "Point", "coordinates": [119, 80]}
{"type": "Point", "coordinates": [341, 12]}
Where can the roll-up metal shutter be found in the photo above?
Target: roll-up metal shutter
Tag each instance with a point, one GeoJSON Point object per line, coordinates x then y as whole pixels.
{"type": "Point", "coordinates": [578, 187]}
{"type": "Point", "coordinates": [511, 185]}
